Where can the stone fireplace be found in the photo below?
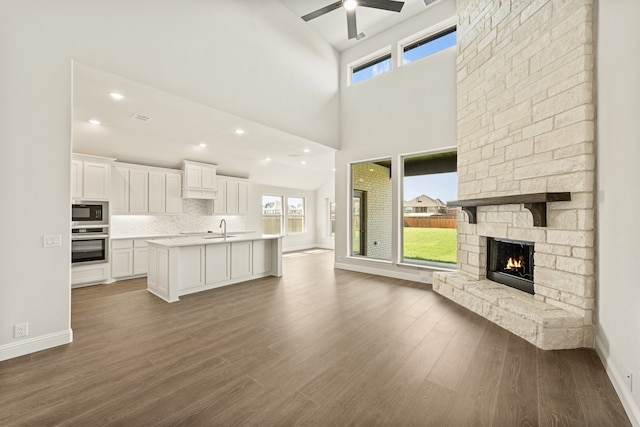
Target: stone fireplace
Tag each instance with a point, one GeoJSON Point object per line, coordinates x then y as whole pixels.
{"type": "Point", "coordinates": [526, 165]}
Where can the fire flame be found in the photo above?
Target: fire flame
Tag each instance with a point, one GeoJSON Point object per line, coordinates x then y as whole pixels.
{"type": "Point", "coordinates": [513, 263]}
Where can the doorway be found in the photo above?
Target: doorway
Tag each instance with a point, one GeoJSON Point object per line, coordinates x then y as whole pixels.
{"type": "Point", "coordinates": [358, 223]}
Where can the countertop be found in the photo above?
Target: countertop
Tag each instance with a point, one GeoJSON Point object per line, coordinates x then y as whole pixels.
{"type": "Point", "coordinates": [209, 239]}
{"type": "Point", "coordinates": [179, 235]}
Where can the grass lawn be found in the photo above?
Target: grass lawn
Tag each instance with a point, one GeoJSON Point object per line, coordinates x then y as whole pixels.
{"type": "Point", "coordinates": [431, 244]}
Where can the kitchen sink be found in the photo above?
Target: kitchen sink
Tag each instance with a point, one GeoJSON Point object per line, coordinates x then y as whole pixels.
{"type": "Point", "coordinates": [218, 237]}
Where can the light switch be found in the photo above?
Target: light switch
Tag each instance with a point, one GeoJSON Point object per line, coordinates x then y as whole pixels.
{"type": "Point", "coordinates": [51, 240]}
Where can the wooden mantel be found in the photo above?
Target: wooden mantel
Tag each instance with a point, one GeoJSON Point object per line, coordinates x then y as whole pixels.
{"type": "Point", "coordinates": [536, 203]}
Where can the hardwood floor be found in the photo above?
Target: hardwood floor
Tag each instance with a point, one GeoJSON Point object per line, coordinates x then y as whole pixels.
{"type": "Point", "coordinates": [317, 346]}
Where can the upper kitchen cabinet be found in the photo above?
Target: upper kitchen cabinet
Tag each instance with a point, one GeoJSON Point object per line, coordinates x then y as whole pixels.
{"type": "Point", "coordinates": [90, 177]}
{"type": "Point", "coordinates": [232, 197]}
{"type": "Point", "coordinates": [145, 189]}
{"type": "Point", "coordinates": [199, 180]}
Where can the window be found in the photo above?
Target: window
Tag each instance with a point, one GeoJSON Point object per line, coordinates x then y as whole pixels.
{"type": "Point", "coordinates": [272, 214]}
{"type": "Point", "coordinates": [295, 215]}
{"type": "Point", "coordinates": [429, 45]}
{"type": "Point", "coordinates": [332, 218]}
{"type": "Point", "coordinates": [371, 68]}
{"type": "Point", "coordinates": [371, 210]}
{"type": "Point", "coordinates": [430, 228]}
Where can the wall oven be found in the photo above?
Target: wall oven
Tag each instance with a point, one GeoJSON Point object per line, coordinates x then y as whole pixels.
{"type": "Point", "coordinates": [89, 213]}
{"type": "Point", "coordinates": [89, 245]}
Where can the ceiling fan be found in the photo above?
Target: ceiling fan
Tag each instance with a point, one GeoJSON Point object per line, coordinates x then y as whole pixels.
{"type": "Point", "coordinates": [350, 7]}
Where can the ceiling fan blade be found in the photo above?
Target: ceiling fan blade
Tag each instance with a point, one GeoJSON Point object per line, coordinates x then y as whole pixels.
{"type": "Point", "coordinates": [322, 11]}
{"type": "Point", "coordinates": [352, 28]}
{"type": "Point", "coordinates": [392, 5]}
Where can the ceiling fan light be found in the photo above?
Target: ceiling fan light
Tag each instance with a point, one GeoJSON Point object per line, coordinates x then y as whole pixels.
{"type": "Point", "coordinates": [350, 4]}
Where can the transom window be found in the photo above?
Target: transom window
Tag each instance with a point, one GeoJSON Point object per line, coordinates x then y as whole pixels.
{"type": "Point", "coordinates": [429, 45]}
{"type": "Point", "coordinates": [372, 68]}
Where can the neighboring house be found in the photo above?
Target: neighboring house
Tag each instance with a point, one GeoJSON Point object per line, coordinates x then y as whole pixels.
{"type": "Point", "coordinates": [424, 206]}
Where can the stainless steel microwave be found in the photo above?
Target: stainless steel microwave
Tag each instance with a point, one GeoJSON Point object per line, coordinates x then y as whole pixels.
{"type": "Point", "coordinates": [89, 213]}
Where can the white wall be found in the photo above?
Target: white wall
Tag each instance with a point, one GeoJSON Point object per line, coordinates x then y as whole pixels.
{"type": "Point", "coordinates": [618, 153]}
{"type": "Point", "coordinates": [324, 194]}
{"type": "Point", "coordinates": [410, 109]}
{"type": "Point", "coordinates": [249, 58]}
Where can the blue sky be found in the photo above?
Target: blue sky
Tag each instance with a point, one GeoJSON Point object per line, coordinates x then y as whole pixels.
{"type": "Point", "coordinates": [441, 186]}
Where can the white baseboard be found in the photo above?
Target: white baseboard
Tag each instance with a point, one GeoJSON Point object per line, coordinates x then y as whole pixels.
{"type": "Point", "coordinates": [32, 345]}
{"type": "Point", "coordinates": [617, 379]}
{"type": "Point", "coordinates": [414, 275]}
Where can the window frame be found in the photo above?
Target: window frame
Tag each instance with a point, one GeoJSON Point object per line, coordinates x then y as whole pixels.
{"type": "Point", "coordinates": [402, 260]}
{"type": "Point", "coordinates": [428, 34]}
{"type": "Point", "coordinates": [376, 57]}
{"type": "Point", "coordinates": [281, 211]}
{"type": "Point", "coordinates": [304, 215]}
{"type": "Point", "coordinates": [331, 218]}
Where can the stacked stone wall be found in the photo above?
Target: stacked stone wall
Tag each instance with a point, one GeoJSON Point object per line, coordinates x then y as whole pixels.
{"type": "Point", "coordinates": [526, 112]}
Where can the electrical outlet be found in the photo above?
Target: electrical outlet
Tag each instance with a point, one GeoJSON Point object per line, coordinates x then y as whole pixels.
{"type": "Point", "coordinates": [629, 379]}
{"type": "Point", "coordinates": [21, 330]}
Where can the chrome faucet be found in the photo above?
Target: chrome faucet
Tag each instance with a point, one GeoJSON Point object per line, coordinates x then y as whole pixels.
{"type": "Point", "coordinates": [224, 229]}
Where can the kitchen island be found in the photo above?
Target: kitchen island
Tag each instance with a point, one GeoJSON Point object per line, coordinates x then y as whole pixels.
{"type": "Point", "coordinates": [185, 265]}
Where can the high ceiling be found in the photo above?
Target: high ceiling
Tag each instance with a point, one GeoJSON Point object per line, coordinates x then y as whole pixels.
{"type": "Point", "coordinates": [178, 126]}
{"type": "Point", "coordinates": [333, 26]}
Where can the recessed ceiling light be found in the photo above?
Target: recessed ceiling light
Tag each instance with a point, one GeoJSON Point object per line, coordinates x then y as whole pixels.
{"type": "Point", "coordinates": [333, 170]}
{"type": "Point", "coordinates": [303, 162]}
{"type": "Point", "coordinates": [350, 4]}
{"type": "Point", "coordinates": [239, 131]}
{"type": "Point", "coordinates": [202, 144]}
{"type": "Point", "coordinates": [116, 95]}
{"type": "Point", "coordinates": [94, 121]}
{"type": "Point", "coordinates": [268, 159]}
{"type": "Point", "coordinates": [306, 150]}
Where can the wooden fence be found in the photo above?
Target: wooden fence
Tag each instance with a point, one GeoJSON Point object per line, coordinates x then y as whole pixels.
{"type": "Point", "coordinates": [430, 222]}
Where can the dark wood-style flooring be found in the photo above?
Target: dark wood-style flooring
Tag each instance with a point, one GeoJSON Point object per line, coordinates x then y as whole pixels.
{"type": "Point", "coordinates": [317, 346]}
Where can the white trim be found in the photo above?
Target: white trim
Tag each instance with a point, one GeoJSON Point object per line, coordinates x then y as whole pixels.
{"type": "Point", "coordinates": [363, 60]}
{"type": "Point", "coordinates": [32, 345]}
{"type": "Point", "coordinates": [617, 379]}
{"type": "Point", "coordinates": [440, 26]}
{"type": "Point", "coordinates": [395, 274]}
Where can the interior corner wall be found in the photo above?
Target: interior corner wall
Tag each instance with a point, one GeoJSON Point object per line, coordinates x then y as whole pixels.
{"type": "Point", "coordinates": [408, 110]}
{"type": "Point", "coordinates": [618, 152]}
{"type": "Point", "coordinates": [252, 59]}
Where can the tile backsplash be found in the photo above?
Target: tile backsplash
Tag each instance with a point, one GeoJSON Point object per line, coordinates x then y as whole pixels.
{"type": "Point", "coordinates": [195, 217]}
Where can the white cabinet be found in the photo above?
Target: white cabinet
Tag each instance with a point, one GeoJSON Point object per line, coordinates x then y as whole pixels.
{"type": "Point", "coordinates": [90, 177]}
{"type": "Point", "coordinates": [261, 256]}
{"type": "Point", "coordinates": [173, 196]}
{"type": "Point", "coordinates": [157, 189]}
{"type": "Point", "coordinates": [220, 202]}
{"type": "Point", "coordinates": [243, 198]}
{"type": "Point", "coordinates": [76, 179]}
{"type": "Point", "coordinates": [138, 191]}
{"type": "Point", "coordinates": [119, 190]}
{"type": "Point", "coordinates": [192, 265]}
{"type": "Point", "coordinates": [199, 180]}
{"type": "Point", "coordinates": [185, 268]}
{"type": "Point", "coordinates": [218, 263]}
{"type": "Point", "coordinates": [143, 189]}
{"type": "Point", "coordinates": [232, 197]}
{"type": "Point", "coordinates": [140, 257]}
{"type": "Point", "coordinates": [129, 258]}
{"type": "Point", "coordinates": [241, 259]}
{"type": "Point", "coordinates": [82, 275]}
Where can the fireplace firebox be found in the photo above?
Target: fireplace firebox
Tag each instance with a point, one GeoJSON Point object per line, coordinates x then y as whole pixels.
{"type": "Point", "coordinates": [510, 262]}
